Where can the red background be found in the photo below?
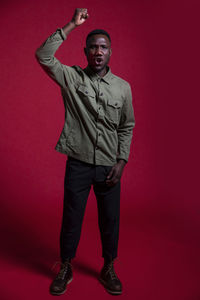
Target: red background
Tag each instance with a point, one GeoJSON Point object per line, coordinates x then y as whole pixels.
{"type": "Point", "coordinates": [155, 47]}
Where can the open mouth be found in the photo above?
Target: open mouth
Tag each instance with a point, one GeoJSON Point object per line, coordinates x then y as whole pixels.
{"type": "Point", "coordinates": [98, 60]}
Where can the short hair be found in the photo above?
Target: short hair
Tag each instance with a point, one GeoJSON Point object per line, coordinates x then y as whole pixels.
{"type": "Point", "coordinates": [97, 31]}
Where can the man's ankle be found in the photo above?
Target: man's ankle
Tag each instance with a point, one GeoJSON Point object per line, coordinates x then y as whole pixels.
{"type": "Point", "coordinates": [68, 259]}
{"type": "Point", "coordinates": [108, 261]}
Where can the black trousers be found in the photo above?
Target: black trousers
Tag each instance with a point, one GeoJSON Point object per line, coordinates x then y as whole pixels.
{"type": "Point", "coordinates": [79, 178]}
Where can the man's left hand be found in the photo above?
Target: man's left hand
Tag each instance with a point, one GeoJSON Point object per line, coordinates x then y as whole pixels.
{"type": "Point", "coordinates": [115, 173]}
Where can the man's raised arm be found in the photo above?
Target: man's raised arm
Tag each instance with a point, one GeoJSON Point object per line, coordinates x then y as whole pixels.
{"type": "Point", "coordinates": [45, 53]}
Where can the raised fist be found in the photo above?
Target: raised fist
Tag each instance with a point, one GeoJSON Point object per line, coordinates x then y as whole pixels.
{"type": "Point", "coordinates": [80, 16]}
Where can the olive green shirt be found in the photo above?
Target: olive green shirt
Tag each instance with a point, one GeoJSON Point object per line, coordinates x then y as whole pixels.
{"type": "Point", "coordinates": [99, 114]}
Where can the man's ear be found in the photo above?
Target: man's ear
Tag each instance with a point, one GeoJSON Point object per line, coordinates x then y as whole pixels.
{"type": "Point", "coordinates": [110, 51]}
{"type": "Point", "coordinates": [85, 51]}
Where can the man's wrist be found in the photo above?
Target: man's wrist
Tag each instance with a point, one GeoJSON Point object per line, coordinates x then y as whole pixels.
{"type": "Point", "coordinates": [121, 162]}
{"type": "Point", "coordinates": [73, 24]}
{"type": "Point", "coordinates": [69, 27]}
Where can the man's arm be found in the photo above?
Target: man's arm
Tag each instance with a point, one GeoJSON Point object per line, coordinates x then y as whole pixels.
{"type": "Point", "coordinates": [45, 53]}
{"type": "Point", "coordinates": [126, 125]}
{"type": "Point", "coordinates": [124, 131]}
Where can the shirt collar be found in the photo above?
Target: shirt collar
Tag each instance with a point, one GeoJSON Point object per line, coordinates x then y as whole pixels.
{"type": "Point", "coordinates": [94, 76]}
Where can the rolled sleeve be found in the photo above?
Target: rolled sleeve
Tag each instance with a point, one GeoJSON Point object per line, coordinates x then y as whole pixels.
{"type": "Point", "coordinates": [60, 73]}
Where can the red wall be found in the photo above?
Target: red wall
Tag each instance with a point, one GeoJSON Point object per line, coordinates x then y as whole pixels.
{"type": "Point", "coordinates": [155, 47]}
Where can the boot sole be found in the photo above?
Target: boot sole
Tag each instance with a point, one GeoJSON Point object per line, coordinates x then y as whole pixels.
{"type": "Point", "coordinates": [108, 290]}
{"type": "Point", "coordinates": [61, 293]}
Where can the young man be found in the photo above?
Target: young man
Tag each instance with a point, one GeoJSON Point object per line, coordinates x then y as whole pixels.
{"type": "Point", "coordinates": [96, 137]}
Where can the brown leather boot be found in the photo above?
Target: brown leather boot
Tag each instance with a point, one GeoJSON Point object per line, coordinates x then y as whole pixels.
{"type": "Point", "coordinates": [64, 277]}
{"type": "Point", "coordinates": [110, 280]}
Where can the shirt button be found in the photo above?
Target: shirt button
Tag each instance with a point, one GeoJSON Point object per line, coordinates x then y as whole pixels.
{"type": "Point", "coordinates": [86, 92]}
{"type": "Point", "coordinates": [116, 104]}
{"type": "Point", "coordinates": [96, 148]}
{"type": "Point", "coordinates": [101, 94]}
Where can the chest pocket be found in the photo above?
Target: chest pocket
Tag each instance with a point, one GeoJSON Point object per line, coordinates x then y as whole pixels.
{"type": "Point", "coordinates": [86, 92]}
{"type": "Point", "coordinates": [113, 110]}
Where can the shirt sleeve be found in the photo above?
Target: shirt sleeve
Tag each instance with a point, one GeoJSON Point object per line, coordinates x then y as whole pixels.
{"type": "Point", "coordinates": [126, 125]}
{"type": "Point", "coordinates": [60, 73]}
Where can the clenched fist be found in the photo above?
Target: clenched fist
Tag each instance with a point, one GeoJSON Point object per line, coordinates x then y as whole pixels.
{"type": "Point", "coordinates": [80, 16]}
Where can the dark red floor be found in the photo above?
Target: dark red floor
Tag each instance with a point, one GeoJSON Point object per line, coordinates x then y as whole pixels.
{"type": "Point", "coordinates": [152, 263]}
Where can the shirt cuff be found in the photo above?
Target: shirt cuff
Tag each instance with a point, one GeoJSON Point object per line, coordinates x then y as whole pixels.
{"type": "Point", "coordinates": [119, 157]}
{"type": "Point", "coordinates": [63, 35]}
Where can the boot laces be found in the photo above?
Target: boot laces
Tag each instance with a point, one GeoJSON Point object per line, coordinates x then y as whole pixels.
{"type": "Point", "coordinates": [111, 271]}
{"type": "Point", "coordinates": [63, 269]}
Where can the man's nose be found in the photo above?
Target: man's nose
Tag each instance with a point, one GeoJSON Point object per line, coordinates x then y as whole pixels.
{"type": "Point", "coordinates": [98, 51]}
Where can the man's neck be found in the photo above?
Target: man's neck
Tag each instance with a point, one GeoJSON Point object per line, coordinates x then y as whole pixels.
{"type": "Point", "coordinates": [101, 73]}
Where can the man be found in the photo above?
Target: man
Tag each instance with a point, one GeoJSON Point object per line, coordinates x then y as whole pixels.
{"type": "Point", "coordinates": [96, 137]}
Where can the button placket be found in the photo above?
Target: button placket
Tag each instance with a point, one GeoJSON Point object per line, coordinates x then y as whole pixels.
{"type": "Point", "coordinates": [99, 109]}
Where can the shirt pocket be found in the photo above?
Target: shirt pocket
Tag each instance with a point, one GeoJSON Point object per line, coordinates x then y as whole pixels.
{"type": "Point", "coordinates": [86, 92]}
{"type": "Point", "coordinates": [113, 110]}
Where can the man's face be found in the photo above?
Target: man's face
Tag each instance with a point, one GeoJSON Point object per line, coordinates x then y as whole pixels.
{"type": "Point", "coordinates": [98, 52]}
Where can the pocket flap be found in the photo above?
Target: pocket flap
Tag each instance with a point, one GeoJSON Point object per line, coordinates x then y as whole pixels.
{"type": "Point", "coordinates": [86, 91]}
{"type": "Point", "coordinates": [115, 103]}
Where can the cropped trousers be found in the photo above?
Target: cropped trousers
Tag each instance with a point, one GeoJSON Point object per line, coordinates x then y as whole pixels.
{"type": "Point", "coordinates": [79, 178]}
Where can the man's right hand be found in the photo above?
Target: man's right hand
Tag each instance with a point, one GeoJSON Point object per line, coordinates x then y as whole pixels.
{"type": "Point", "coordinates": [80, 16]}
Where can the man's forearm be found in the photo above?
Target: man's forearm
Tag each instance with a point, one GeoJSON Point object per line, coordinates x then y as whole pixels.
{"type": "Point", "coordinates": [125, 128]}
{"type": "Point", "coordinates": [51, 45]}
{"type": "Point", "coordinates": [45, 53]}
{"type": "Point", "coordinates": [69, 27]}
{"type": "Point", "coordinates": [48, 49]}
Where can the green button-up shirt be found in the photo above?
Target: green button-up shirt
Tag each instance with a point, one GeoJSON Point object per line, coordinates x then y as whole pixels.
{"type": "Point", "coordinates": [99, 114]}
